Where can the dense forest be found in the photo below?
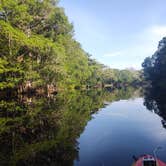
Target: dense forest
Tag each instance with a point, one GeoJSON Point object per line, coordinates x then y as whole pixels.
{"type": "Point", "coordinates": [154, 68]}
{"type": "Point", "coordinates": [38, 51]}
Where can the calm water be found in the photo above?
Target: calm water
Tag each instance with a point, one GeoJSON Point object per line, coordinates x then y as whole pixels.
{"type": "Point", "coordinates": [89, 128]}
{"type": "Point", "coordinates": [119, 131]}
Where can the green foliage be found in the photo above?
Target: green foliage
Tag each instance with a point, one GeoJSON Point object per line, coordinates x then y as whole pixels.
{"type": "Point", "coordinates": [115, 76]}
{"type": "Point", "coordinates": [37, 36]}
{"type": "Point", "coordinates": [10, 75]}
{"type": "Point", "coordinates": [35, 54]}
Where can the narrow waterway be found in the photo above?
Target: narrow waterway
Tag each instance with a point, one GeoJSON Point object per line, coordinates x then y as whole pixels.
{"type": "Point", "coordinates": [117, 132]}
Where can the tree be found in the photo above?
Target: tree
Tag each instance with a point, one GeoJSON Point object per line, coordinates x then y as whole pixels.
{"type": "Point", "coordinates": [155, 66]}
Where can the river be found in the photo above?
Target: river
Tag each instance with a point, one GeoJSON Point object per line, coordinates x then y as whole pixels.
{"type": "Point", "coordinates": [92, 128]}
{"type": "Point", "coordinates": [119, 131]}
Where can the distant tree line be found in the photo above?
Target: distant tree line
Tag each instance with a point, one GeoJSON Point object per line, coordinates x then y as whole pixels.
{"type": "Point", "coordinates": [121, 78]}
{"type": "Point", "coordinates": [38, 51]}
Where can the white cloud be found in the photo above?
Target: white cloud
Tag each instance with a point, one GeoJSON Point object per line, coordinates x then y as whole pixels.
{"type": "Point", "coordinates": [141, 45]}
{"type": "Point", "coordinates": [123, 65]}
{"type": "Point", "coordinates": [149, 38]}
{"type": "Point", "coordinates": [159, 31]}
{"type": "Point", "coordinates": [112, 54]}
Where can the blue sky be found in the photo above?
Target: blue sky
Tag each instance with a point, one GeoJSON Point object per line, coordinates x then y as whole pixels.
{"type": "Point", "coordinates": [118, 33]}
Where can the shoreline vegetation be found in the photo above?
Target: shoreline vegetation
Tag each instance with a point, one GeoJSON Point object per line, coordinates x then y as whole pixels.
{"type": "Point", "coordinates": [38, 52]}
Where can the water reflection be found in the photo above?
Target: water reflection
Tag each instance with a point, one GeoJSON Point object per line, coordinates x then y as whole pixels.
{"type": "Point", "coordinates": [43, 131]}
{"type": "Point", "coordinates": [155, 101]}
{"type": "Point", "coordinates": [120, 130]}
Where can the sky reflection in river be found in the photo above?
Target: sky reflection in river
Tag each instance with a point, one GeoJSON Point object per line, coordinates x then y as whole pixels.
{"type": "Point", "coordinates": [122, 129]}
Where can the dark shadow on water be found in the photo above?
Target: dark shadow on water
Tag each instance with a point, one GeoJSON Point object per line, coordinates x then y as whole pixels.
{"type": "Point", "coordinates": [155, 100]}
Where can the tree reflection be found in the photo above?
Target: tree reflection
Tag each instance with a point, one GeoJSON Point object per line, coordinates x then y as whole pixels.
{"type": "Point", "coordinates": [44, 131]}
{"type": "Point", "coordinates": [155, 100]}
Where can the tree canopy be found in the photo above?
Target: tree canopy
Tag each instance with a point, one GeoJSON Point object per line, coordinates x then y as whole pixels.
{"type": "Point", "coordinates": [155, 67]}
{"type": "Point", "coordinates": [38, 49]}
